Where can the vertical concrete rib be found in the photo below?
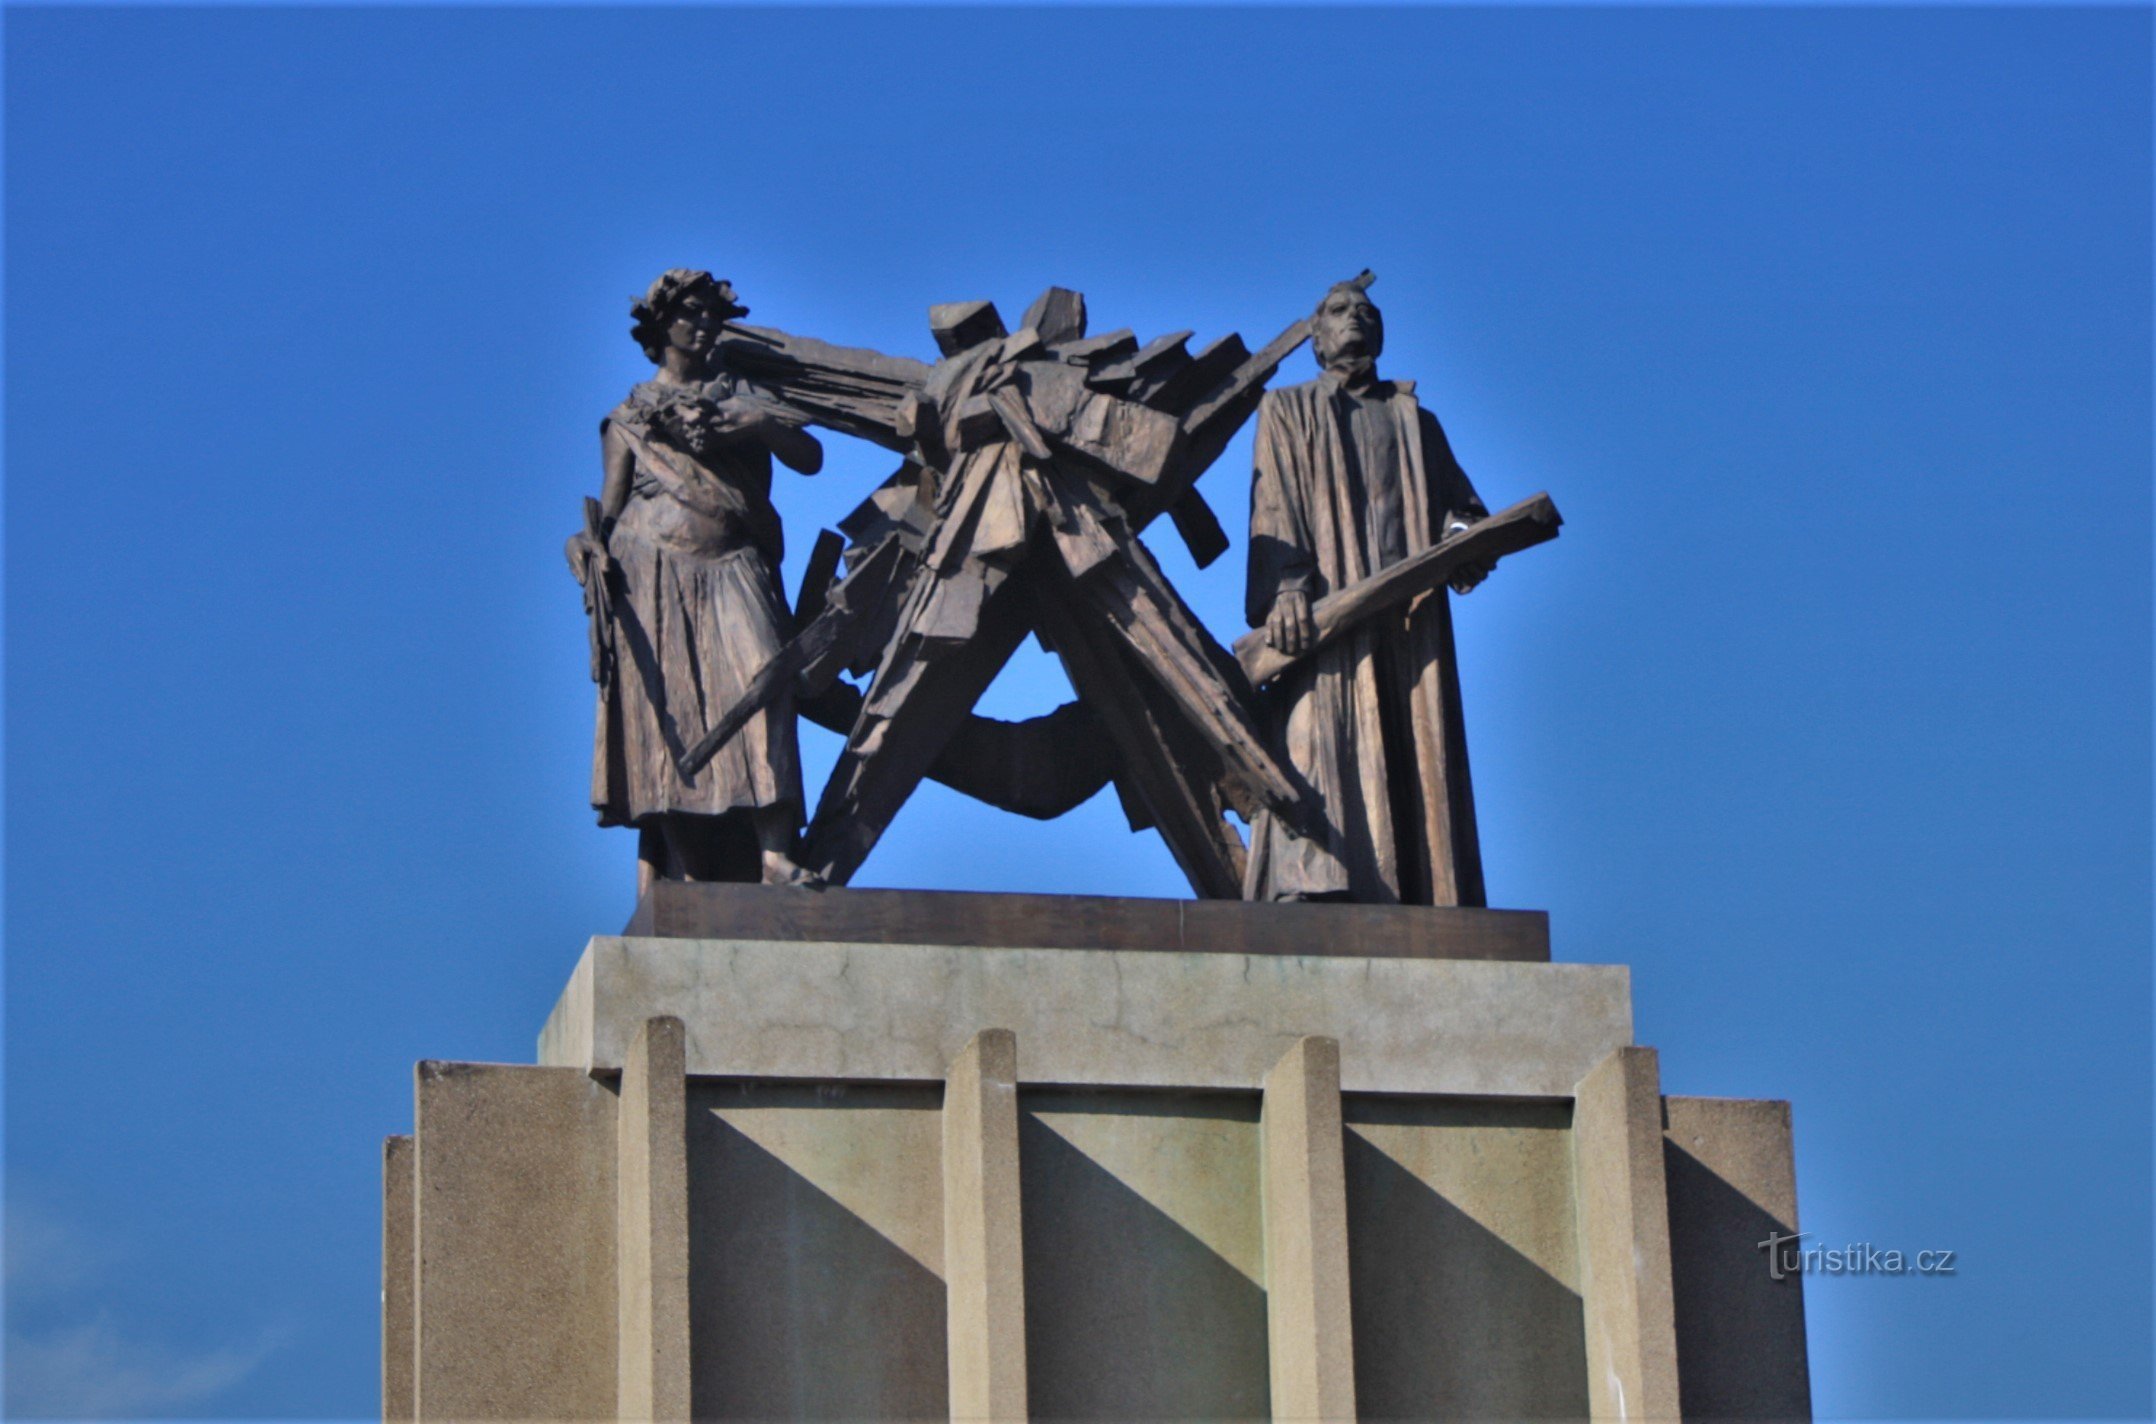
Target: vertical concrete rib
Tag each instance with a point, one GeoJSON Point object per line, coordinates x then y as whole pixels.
{"type": "Point", "coordinates": [652, 1227]}
{"type": "Point", "coordinates": [1623, 1205]}
{"type": "Point", "coordinates": [1306, 1252]}
{"type": "Point", "coordinates": [398, 1384]}
{"type": "Point", "coordinates": [983, 1266]}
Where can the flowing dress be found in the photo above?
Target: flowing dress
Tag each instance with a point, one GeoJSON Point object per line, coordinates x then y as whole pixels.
{"type": "Point", "coordinates": [1346, 483]}
{"type": "Point", "coordinates": [697, 612]}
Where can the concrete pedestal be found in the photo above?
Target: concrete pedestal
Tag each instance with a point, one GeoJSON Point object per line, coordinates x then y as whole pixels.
{"type": "Point", "coordinates": [1132, 1163]}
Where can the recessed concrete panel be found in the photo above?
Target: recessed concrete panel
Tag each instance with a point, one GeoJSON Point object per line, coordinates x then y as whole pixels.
{"type": "Point", "coordinates": [1144, 1255]}
{"type": "Point", "coordinates": [816, 1251]}
{"type": "Point", "coordinates": [1740, 1332]}
{"type": "Point", "coordinates": [1110, 1018]}
{"type": "Point", "coordinates": [1463, 1263]}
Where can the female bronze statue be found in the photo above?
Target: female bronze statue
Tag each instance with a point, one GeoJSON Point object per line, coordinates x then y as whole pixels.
{"type": "Point", "coordinates": [679, 561]}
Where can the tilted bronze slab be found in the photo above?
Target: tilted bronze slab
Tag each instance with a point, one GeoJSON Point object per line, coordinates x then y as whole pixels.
{"type": "Point", "coordinates": [673, 909]}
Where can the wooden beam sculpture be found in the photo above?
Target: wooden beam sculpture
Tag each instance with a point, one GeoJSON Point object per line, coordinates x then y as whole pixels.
{"type": "Point", "coordinates": [1033, 461]}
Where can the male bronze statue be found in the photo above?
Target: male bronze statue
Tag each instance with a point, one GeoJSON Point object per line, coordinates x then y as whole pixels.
{"type": "Point", "coordinates": [1353, 476]}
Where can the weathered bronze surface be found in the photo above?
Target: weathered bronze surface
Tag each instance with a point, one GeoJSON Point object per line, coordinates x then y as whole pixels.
{"type": "Point", "coordinates": [678, 563]}
{"type": "Point", "coordinates": [1353, 479]}
{"type": "Point", "coordinates": [1031, 460]}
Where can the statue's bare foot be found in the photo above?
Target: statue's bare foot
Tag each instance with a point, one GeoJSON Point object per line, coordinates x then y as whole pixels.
{"type": "Point", "coordinates": [781, 869]}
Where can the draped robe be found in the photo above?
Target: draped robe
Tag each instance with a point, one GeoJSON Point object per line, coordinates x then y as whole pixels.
{"type": "Point", "coordinates": [1371, 722]}
{"type": "Point", "coordinates": [699, 612]}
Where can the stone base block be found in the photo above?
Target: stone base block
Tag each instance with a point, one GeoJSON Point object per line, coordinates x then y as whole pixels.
{"type": "Point", "coordinates": [907, 1180]}
{"type": "Point", "coordinates": [1128, 1018]}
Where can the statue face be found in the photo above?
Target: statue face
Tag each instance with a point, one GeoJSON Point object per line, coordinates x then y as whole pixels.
{"type": "Point", "coordinates": [695, 327]}
{"type": "Point", "coordinates": [1347, 328]}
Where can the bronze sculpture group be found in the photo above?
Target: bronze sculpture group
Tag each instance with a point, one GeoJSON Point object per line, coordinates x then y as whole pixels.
{"type": "Point", "coordinates": [1030, 463]}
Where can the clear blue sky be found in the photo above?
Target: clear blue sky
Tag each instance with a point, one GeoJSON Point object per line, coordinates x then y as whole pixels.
{"type": "Point", "coordinates": [1829, 331]}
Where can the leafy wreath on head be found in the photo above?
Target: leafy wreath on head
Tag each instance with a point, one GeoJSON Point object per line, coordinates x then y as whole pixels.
{"type": "Point", "coordinates": [653, 312]}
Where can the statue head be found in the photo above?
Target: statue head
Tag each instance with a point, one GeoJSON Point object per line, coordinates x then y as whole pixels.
{"type": "Point", "coordinates": [683, 308]}
{"type": "Point", "coordinates": [1347, 330]}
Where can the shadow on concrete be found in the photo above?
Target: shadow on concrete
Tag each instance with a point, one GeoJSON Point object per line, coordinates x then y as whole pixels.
{"type": "Point", "coordinates": [1128, 1315]}
{"type": "Point", "coordinates": [1740, 1332]}
{"type": "Point", "coordinates": [798, 1309]}
{"type": "Point", "coordinates": [1450, 1321]}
